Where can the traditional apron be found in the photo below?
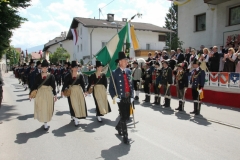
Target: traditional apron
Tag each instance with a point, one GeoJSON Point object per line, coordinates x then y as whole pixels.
{"type": "Point", "coordinates": [101, 98]}
{"type": "Point", "coordinates": [43, 104]}
{"type": "Point", "coordinates": [78, 101]}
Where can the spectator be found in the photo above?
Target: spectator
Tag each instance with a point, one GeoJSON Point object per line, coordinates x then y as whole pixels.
{"type": "Point", "coordinates": [165, 56]}
{"type": "Point", "coordinates": [201, 49]}
{"type": "Point", "coordinates": [214, 60]}
{"type": "Point", "coordinates": [204, 59]}
{"type": "Point", "coordinates": [187, 55]}
{"type": "Point", "coordinates": [229, 58]}
{"type": "Point", "coordinates": [191, 59]}
{"type": "Point", "coordinates": [221, 54]}
{"type": "Point", "coordinates": [237, 61]}
{"type": "Point", "coordinates": [180, 56]}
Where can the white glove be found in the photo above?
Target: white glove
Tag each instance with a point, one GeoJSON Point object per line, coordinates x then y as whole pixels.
{"type": "Point", "coordinates": [117, 100]}
{"type": "Point", "coordinates": [200, 91]}
{"type": "Point", "coordinates": [168, 85]}
{"type": "Point", "coordinates": [132, 100]}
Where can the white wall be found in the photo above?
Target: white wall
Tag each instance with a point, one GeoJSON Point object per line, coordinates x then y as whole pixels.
{"type": "Point", "coordinates": [100, 35]}
{"type": "Point", "coordinates": [216, 23]}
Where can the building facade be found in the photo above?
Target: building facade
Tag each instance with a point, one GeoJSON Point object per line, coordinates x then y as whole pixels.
{"type": "Point", "coordinates": [209, 23]}
{"type": "Point", "coordinates": [93, 34]}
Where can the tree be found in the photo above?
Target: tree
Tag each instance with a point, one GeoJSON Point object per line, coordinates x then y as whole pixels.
{"type": "Point", "coordinates": [171, 23]}
{"type": "Point", "coordinates": [12, 55]}
{"type": "Point", "coordinates": [59, 55]}
{"type": "Point", "coordinates": [10, 20]}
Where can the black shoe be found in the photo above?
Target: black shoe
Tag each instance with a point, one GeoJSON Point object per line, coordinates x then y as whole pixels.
{"type": "Point", "coordinates": [177, 108]}
{"type": "Point", "coordinates": [148, 99]}
{"type": "Point", "coordinates": [125, 140]}
{"type": "Point", "coordinates": [119, 131]}
{"type": "Point", "coordinates": [145, 99]}
{"type": "Point", "coordinates": [136, 98]}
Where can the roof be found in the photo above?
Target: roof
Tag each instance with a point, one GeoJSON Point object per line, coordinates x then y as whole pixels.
{"type": "Point", "coordinates": [47, 46]}
{"type": "Point", "coordinates": [18, 50]}
{"type": "Point", "coordinates": [100, 23]}
{"type": "Point", "coordinates": [36, 55]}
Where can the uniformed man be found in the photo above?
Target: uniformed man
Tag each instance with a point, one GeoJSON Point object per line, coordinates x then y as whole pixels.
{"type": "Point", "coordinates": [181, 84]}
{"type": "Point", "coordinates": [197, 81]}
{"type": "Point", "coordinates": [31, 73]}
{"type": "Point", "coordinates": [166, 81]}
{"type": "Point", "coordinates": [136, 75]}
{"type": "Point", "coordinates": [122, 93]}
{"type": "Point", "coordinates": [156, 83]}
{"type": "Point", "coordinates": [147, 81]}
{"type": "Point", "coordinates": [51, 70]}
{"type": "Point", "coordinates": [58, 77]}
{"type": "Point", "coordinates": [65, 70]}
{"type": "Point", "coordinates": [24, 74]}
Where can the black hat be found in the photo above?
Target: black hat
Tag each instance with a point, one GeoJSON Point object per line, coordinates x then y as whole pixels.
{"type": "Point", "coordinates": [195, 61]}
{"type": "Point", "coordinates": [45, 63]}
{"type": "Point", "coordinates": [24, 64]}
{"type": "Point", "coordinates": [135, 62]}
{"type": "Point", "coordinates": [74, 64]}
{"type": "Point", "coordinates": [98, 64]}
{"type": "Point", "coordinates": [121, 55]}
{"type": "Point", "coordinates": [38, 63]}
{"type": "Point", "coordinates": [31, 61]}
{"type": "Point", "coordinates": [157, 64]}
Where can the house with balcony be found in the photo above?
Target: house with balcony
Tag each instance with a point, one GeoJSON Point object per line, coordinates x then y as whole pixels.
{"type": "Point", "coordinates": [93, 34]}
{"type": "Point", "coordinates": [209, 23]}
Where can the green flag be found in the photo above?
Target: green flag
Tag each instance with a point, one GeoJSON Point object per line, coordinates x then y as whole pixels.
{"type": "Point", "coordinates": [109, 53]}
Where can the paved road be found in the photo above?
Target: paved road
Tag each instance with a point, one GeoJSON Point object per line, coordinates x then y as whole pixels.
{"type": "Point", "coordinates": [159, 133]}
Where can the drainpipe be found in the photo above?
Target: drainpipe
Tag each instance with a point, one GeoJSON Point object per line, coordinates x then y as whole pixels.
{"type": "Point", "coordinates": [91, 45]}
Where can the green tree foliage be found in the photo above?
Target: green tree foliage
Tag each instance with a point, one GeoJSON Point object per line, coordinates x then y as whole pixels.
{"type": "Point", "coordinates": [10, 20]}
{"type": "Point", "coordinates": [171, 23]}
{"type": "Point", "coordinates": [59, 55]}
{"type": "Point", "coordinates": [12, 55]}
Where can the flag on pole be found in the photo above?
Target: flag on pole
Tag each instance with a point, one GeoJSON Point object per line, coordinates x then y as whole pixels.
{"type": "Point", "coordinates": [75, 36]}
{"type": "Point", "coordinates": [109, 53]}
{"type": "Point", "coordinates": [135, 43]}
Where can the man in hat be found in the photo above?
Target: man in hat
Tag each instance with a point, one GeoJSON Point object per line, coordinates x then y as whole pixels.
{"type": "Point", "coordinates": [147, 81]}
{"type": "Point", "coordinates": [181, 84]}
{"type": "Point", "coordinates": [65, 70]}
{"type": "Point", "coordinates": [24, 74]}
{"type": "Point", "coordinates": [156, 82]}
{"type": "Point", "coordinates": [31, 74]}
{"type": "Point", "coordinates": [136, 74]}
{"type": "Point", "coordinates": [197, 81]}
{"type": "Point", "coordinates": [51, 70]}
{"type": "Point", "coordinates": [58, 77]}
{"type": "Point", "coordinates": [166, 81]}
{"type": "Point", "coordinates": [121, 90]}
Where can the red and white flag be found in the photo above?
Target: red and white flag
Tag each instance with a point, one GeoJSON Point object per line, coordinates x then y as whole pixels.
{"type": "Point", "coordinates": [75, 36]}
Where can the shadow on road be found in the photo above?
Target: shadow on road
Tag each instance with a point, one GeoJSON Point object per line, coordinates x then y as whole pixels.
{"type": "Point", "coordinates": [24, 137]}
{"type": "Point", "coordinates": [182, 115]}
{"type": "Point", "coordinates": [25, 117]}
{"type": "Point", "coordinates": [19, 91]}
{"type": "Point", "coordinates": [200, 120]}
{"type": "Point", "coordinates": [115, 152]}
{"type": "Point", "coordinates": [6, 112]}
{"type": "Point", "coordinates": [24, 99]}
{"type": "Point", "coordinates": [61, 132]}
{"type": "Point", "coordinates": [60, 113]}
{"type": "Point", "coordinates": [20, 95]}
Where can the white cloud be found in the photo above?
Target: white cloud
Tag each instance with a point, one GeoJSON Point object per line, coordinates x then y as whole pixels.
{"type": "Point", "coordinates": [65, 9]}
{"type": "Point", "coordinates": [33, 34]}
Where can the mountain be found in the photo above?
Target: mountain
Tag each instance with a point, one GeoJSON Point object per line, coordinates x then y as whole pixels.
{"type": "Point", "coordinates": [35, 49]}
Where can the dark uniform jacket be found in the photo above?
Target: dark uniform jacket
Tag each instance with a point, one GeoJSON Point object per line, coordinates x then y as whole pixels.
{"type": "Point", "coordinates": [166, 76]}
{"type": "Point", "coordinates": [147, 77]}
{"type": "Point", "coordinates": [158, 76]}
{"type": "Point", "coordinates": [182, 79]}
{"type": "Point", "coordinates": [119, 82]}
{"type": "Point", "coordinates": [198, 78]}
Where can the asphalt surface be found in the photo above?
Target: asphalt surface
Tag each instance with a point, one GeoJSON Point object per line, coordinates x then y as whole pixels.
{"type": "Point", "coordinates": [159, 134]}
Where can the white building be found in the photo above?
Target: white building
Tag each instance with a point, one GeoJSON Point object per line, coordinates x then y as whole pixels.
{"type": "Point", "coordinates": [93, 34]}
{"type": "Point", "coordinates": [209, 22]}
{"type": "Point", "coordinates": [57, 42]}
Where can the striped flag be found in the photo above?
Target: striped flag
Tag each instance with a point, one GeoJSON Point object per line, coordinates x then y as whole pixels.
{"type": "Point", "coordinates": [75, 36]}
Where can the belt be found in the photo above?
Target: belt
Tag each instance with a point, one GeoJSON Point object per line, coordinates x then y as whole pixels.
{"type": "Point", "coordinates": [127, 95]}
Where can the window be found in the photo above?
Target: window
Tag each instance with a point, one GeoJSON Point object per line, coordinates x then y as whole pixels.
{"type": "Point", "coordinates": [104, 44]}
{"type": "Point", "coordinates": [162, 38]}
{"type": "Point", "coordinates": [201, 22]}
{"type": "Point", "coordinates": [234, 15]}
{"type": "Point", "coordinates": [147, 46]}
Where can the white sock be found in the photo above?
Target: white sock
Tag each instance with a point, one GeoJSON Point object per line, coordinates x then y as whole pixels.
{"type": "Point", "coordinates": [137, 93]}
{"type": "Point", "coordinates": [45, 125]}
{"type": "Point", "coordinates": [75, 120]}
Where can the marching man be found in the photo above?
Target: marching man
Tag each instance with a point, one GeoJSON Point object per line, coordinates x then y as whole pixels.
{"type": "Point", "coordinates": [121, 90]}
{"type": "Point", "coordinates": [136, 75]}
{"type": "Point", "coordinates": [197, 81]}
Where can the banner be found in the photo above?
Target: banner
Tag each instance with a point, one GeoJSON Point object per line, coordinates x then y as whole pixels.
{"type": "Point", "coordinates": [223, 79]}
{"type": "Point", "coordinates": [206, 79]}
{"type": "Point", "coordinates": [213, 78]}
{"type": "Point", "coordinates": [234, 80]}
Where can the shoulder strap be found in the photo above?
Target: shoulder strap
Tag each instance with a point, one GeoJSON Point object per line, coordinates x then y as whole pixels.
{"type": "Point", "coordinates": [48, 76]}
{"type": "Point", "coordinates": [75, 79]}
{"type": "Point", "coordinates": [99, 78]}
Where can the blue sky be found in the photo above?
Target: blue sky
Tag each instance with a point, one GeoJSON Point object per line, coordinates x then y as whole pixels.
{"type": "Point", "coordinates": [48, 18]}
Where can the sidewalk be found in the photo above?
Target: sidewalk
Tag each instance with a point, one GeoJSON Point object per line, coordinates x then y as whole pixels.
{"type": "Point", "coordinates": [209, 112]}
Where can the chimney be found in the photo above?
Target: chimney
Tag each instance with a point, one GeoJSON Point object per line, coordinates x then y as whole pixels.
{"type": "Point", "coordinates": [124, 19]}
{"type": "Point", "coordinates": [110, 17]}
